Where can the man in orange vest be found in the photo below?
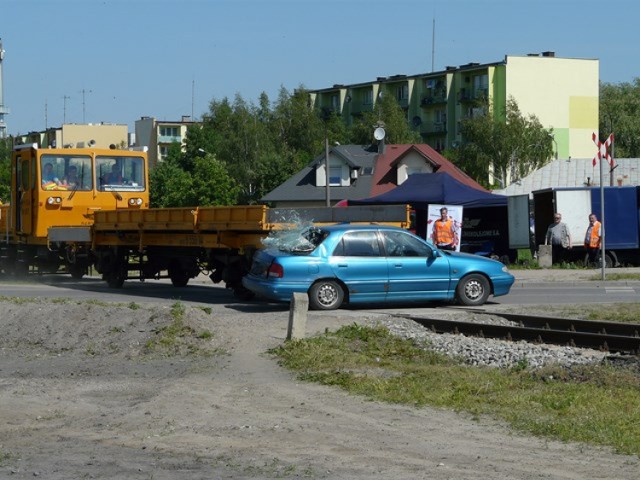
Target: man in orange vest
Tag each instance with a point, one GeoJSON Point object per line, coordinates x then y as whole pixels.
{"type": "Point", "coordinates": [592, 239]}
{"type": "Point", "coordinates": [444, 234]}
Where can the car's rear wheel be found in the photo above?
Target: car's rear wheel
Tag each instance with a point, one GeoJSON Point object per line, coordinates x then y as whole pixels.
{"type": "Point", "coordinates": [472, 290]}
{"type": "Point", "coordinates": [325, 295]}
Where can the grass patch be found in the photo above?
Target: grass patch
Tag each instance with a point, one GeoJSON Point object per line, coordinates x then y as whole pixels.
{"type": "Point", "coordinates": [5, 458]}
{"type": "Point", "coordinates": [18, 300]}
{"type": "Point", "coordinates": [596, 404]}
{"type": "Point", "coordinates": [178, 338]}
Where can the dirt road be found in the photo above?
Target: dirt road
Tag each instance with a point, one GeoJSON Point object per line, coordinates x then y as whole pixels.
{"type": "Point", "coordinates": [88, 391]}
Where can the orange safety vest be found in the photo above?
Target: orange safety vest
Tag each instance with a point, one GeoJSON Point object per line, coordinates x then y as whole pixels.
{"type": "Point", "coordinates": [443, 232]}
{"type": "Point", "coordinates": [594, 239]}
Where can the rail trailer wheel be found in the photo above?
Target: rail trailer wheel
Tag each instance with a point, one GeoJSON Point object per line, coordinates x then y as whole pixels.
{"type": "Point", "coordinates": [116, 276]}
{"type": "Point", "coordinates": [76, 271]}
{"type": "Point", "coordinates": [473, 290]}
{"type": "Point", "coordinates": [178, 275]}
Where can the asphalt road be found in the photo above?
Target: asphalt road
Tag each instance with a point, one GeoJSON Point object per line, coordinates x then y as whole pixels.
{"type": "Point", "coordinates": [531, 288]}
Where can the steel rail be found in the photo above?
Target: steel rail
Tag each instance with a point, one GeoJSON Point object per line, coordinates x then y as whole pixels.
{"type": "Point", "coordinates": [570, 324]}
{"type": "Point", "coordinates": [546, 334]}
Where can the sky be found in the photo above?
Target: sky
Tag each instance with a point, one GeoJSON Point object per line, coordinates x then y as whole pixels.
{"type": "Point", "coordinates": [114, 61]}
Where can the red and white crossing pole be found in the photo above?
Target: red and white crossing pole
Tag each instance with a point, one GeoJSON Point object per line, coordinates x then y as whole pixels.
{"type": "Point", "coordinates": [602, 154]}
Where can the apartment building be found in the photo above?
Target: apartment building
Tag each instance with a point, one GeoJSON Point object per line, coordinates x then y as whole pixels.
{"type": "Point", "coordinates": [159, 135]}
{"type": "Point", "coordinates": [69, 135]}
{"type": "Point", "coordinates": [562, 92]}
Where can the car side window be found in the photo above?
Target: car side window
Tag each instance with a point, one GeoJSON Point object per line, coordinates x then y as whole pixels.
{"type": "Point", "coordinates": [358, 244]}
{"type": "Point", "coordinates": [400, 244]}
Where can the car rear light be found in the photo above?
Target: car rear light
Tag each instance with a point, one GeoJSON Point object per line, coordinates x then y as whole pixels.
{"type": "Point", "coordinates": [275, 271]}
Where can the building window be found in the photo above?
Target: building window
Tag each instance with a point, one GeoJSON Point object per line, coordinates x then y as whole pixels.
{"type": "Point", "coordinates": [169, 131]}
{"type": "Point", "coordinates": [411, 170]}
{"type": "Point", "coordinates": [367, 97]}
{"type": "Point", "coordinates": [402, 93]}
{"type": "Point", "coordinates": [335, 175]}
{"type": "Point", "coordinates": [481, 81]}
{"type": "Point", "coordinates": [481, 85]}
{"type": "Point", "coordinates": [335, 102]}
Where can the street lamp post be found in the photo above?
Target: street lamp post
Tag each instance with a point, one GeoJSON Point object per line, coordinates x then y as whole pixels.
{"type": "Point", "coordinates": [553, 139]}
{"type": "Point", "coordinates": [326, 167]}
{"type": "Point", "coordinates": [326, 114]}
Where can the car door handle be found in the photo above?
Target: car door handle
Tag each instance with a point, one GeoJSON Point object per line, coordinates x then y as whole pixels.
{"type": "Point", "coordinates": [342, 265]}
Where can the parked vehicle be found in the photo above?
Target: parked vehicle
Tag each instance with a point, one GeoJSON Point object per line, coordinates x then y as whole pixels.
{"type": "Point", "coordinates": [356, 264]}
{"type": "Point", "coordinates": [621, 226]}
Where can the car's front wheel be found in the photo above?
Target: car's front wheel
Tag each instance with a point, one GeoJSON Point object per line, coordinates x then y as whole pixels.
{"type": "Point", "coordinates": [472, 290]}
{"type": "Point", "coordinates": [325, 295]}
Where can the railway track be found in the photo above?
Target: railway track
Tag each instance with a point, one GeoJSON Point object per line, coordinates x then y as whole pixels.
{"type": "Point", "coordinates": [610, 337]}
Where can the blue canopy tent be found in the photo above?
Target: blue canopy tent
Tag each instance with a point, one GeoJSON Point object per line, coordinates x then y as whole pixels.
{"type": "Point", "coordinates": [422, 189]}
{"type": "Point", "coordinates": [485, 227]}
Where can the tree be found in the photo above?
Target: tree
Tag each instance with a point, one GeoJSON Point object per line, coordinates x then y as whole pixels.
{"type": "Point", "coordinates": [211, 183]}
{"type": "Point", "coordinates": [170, 185]}
{"type": "Point", "coordinates": [388, 111]}
{"type": "Point", "coordinates": [206, 182]}
{"type": "Point", "coordinates": [508, 147]}
{"type": "Point", "coordinates": [241, 135]}
{"type": "Point", "coordinates": [620, 114]}
{"type": "Point", "coordinates": [5, 169]}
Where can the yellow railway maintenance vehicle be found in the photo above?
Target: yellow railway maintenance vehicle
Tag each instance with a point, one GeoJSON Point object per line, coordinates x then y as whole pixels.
{"type": "Point", "coordinates": [53, 188]}
{"type": "Point", "coordinates": [105, 222]}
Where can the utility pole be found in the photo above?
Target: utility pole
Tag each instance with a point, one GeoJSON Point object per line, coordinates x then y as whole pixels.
{"type": "Point", "coordinates": [3, 110]}
{"type": "Point", "coordinates": [64, 109]}
{"type": "Point", "coordinates": [84, 91]}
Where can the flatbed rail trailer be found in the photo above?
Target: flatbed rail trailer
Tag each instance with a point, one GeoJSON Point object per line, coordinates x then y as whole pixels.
{"type": "Point", "coordinates": [56, 222]}
{"type": "Point", "coordinates": [181, 243]}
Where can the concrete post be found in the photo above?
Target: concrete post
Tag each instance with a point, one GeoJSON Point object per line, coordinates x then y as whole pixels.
{"type": "Point", "coordinates": [298, 316]}
{"type": "Point", "coordinates": [544, 256]}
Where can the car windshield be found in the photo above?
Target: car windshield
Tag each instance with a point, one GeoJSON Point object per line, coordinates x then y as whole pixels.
{"type": "Point", "coordinates": [296, 241]}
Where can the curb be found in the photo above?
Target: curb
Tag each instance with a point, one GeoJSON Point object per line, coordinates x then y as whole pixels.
{"type": "Point", "coordinates": [522, 283]}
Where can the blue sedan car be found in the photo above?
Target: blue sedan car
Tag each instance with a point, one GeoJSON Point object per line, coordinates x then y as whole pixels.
{"type": "Point", "coordinates": [372, 263]}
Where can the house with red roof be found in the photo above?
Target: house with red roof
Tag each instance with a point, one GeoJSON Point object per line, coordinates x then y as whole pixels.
{"type": "Point", "coordinates": [357, 172]}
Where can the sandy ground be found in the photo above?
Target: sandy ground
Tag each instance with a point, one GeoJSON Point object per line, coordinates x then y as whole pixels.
{"type": "Point", "coordinates": [83, 396]}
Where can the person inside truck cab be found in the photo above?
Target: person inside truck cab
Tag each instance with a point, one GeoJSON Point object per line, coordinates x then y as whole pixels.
{"type": "Point", "coordinates": [114, 177]}
{"type": "Point", "coordinates": [71, 180]}
{"type": "Point", "coordinates": [48, 175]}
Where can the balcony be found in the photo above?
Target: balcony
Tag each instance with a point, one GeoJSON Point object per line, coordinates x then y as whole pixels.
{"type": "Point", "coordinates": [481, 94]}
{"type": "Point", "coordinates": [435, 128]}
{"type": "Point", "coordinates": [464, 95]}
{"type": "Point", "coordinates": [169, 139]}
{"type": "Point", "coordinates": [433, 100]}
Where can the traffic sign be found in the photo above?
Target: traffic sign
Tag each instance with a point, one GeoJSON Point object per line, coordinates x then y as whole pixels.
{"type": "Point", "coordinates": [603, 149]}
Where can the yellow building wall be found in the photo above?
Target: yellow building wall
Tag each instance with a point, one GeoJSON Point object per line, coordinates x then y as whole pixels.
{"type": "Point", "coordinates": [563, 93]}
{"type": "Point", "coordinates": [102, 134]}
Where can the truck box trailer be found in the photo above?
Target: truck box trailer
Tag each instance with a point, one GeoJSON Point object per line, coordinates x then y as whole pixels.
{"type": "Point", "coordinates": [621, 226]}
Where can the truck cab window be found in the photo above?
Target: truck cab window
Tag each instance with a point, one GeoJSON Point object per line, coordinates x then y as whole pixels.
{"type": "Point", "coordinates": [120, 174]}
